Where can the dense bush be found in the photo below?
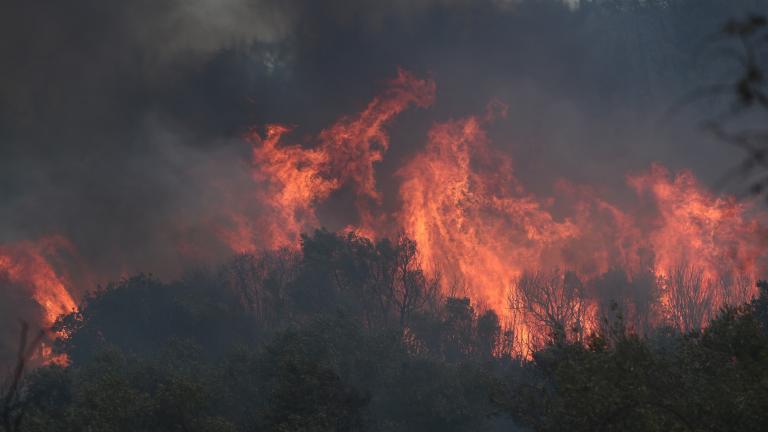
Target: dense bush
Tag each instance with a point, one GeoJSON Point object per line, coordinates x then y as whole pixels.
{"type": "Point", "coordinates": [198, 355]}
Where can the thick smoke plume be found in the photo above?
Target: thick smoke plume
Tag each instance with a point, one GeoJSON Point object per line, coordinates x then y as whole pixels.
{"type": "Point", "coordinates": [126, 140]}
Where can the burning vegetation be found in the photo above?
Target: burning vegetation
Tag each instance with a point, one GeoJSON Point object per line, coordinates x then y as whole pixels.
{"type": "Point", "coordinates": [674, 257]}
{"type": "Point", "coordinates": [447, 295]}
{"type": "Point", "coordinates": [683, 252]}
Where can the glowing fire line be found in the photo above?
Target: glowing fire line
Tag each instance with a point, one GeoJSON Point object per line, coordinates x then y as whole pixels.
{"type": "Point", "coordinates": [475, 224]}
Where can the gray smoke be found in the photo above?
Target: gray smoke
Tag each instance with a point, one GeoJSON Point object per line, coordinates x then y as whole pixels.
{"type": "Point", "coordinates": [120, 122]}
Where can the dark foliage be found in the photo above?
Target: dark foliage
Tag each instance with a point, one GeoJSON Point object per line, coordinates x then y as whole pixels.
{"type": "Point", "coordinates": [196, 355]}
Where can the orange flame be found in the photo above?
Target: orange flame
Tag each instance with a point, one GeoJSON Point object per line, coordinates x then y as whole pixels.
{"type": "Point", "coordinates": [26, 263]}
{"type": "Point", "coordinates": [294, 179]}
{"type": "Point", "coordinates": [707, 249]}
{"type": "Point", "coordinates": [696, 227]}
{"type": "Point", "coordinates": [476, 226]}
{"type": "Point", "coordinates": [469, 214]}
{"type": "Point", "coordinates": [29, 265]}
{"type": "Point", "coordinates": [478, 229]}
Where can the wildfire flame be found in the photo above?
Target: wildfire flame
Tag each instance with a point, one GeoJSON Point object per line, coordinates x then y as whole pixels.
{"type": "Point", "coordinates": [469, 214]}
{"type": "Point", "coordinates": [477, 228]}
{"type": "Point", "coordinates": [28, 264]}
{"type": "Point", "coordinates": [294, 179]}
{"type": "Point", "coordinates": [696, 227]}
{"type": "Point", "coordinates": [482, 233]}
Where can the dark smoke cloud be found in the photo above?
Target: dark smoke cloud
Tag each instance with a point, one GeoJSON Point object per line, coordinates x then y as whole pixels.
{"type": "Point", "coordinates": [120, 122]}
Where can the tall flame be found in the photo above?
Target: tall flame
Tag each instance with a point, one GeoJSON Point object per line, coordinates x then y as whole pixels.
{"type": "Point", "coordinates": [696, 227]}
{"type": "Point", "coordinates": [294, 179]}
{"type": "Point", "coordinates": [479, 230]}
{"type": "Point", "coordinates": [469, 215]}
{"type": "Point", "coordinates": [27, 263]}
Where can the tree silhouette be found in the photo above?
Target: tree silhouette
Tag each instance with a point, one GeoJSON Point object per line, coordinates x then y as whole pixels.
{"type": "Point", "coordinates": [14, 405]}
{"type": "Point", "coordinates": [690, 297]}
{"type": "Point", "coordinates": [553, 304]}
